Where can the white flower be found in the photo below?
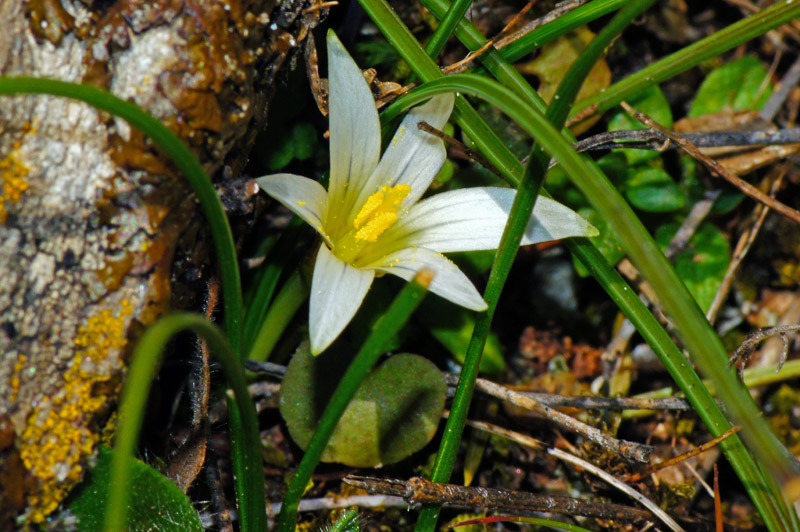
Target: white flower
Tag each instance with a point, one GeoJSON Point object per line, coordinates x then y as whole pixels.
{"type": "Point", "coordinates": [370, 218]}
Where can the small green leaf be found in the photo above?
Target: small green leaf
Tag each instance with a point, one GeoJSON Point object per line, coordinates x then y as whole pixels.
{"type": "Point", "coordinates": [347, 522]}
{"type": "Point", "coordinates": [653, 190]}
{"type": "Point", "coordinates": [452, 327]}
{"type": "Point", "coordinates": [304, 137]}
{"type": "Point", "coordinates": [737, 85]}
{"type": "Point", "coordinates": [299, 144]}
{"type": "Point", "coordinates": [155, 502]}
{"type": "Point", "coordinates": [702, 265]}
{"type": "Point", "coordinates": [281, 154]}
{"type": "Point", "coordinates": [395, 412]}
{"type": "Point", "coordinates": [606, 242]}
{"type": "Point", "coordinates": [651, 101]}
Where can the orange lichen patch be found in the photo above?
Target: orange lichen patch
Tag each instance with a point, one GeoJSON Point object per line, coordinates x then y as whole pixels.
{"type": "Point", "coordinates": [13, 174]}
{"type": "Point", "coordinates": [57, 439]}
{"type": "Point", "coordinates": [18, 367]}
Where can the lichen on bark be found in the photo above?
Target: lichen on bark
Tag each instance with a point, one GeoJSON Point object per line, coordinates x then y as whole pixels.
{"type": "Point", "coordinates": [91, 214]}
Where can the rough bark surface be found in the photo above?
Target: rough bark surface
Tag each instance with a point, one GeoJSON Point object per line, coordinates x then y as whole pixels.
{"type": "Point", "coordinates": [90, 213]}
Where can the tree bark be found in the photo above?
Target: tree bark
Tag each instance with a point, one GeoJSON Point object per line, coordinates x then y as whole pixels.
{"type": "Point", "coordinates": [91, 213]}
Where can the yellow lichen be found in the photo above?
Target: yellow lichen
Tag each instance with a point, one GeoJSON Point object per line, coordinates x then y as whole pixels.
{"type": "Point", "coordinates": [58, 437]}
{"type": "Point", "coordinates": [13, 174]}
{"type": "Point", "coordinates": [18, 367]}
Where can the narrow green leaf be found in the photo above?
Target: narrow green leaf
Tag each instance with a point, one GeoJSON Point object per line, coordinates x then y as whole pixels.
{"type": "Point", "coordinates": [726, 39]}
{"type": "Point", "coordinates": [606, 242]}
{"type": "Point", "coordinates": [452, 327]}
{"type": "Point", "coordinates": [145, 362]}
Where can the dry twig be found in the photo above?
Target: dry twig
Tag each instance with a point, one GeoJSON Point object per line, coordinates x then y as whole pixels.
{"type": "Point", "coordinates": [743, 246]}
{"type": "Point", "coordinates": [560, 9]}
{"type": "Point", "coordinates": [581, 464]}
{"type": "Point", "coordinates": [418, 490]}
{"type": "Point", "coordinates": [469, 152]}
{"type": "Point", "coordinates": [628, 450]}
{"type": "Point", "coordinates": [684, 456]}
{"type": "Point", "coordinates": [461, 66]}
{"type": "Point", "coordinates": [714, 166]}
{"type": "Point", "coordinates": [748, 346]}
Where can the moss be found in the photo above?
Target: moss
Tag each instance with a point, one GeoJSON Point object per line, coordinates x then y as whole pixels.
{"type": "Point", "coordinates": [57, 438]}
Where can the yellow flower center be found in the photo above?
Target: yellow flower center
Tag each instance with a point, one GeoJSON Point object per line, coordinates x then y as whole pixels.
{"type": "Point", "coordinates": [376, 215]}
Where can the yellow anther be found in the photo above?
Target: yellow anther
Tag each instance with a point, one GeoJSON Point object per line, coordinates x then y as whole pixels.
{"type": "Point", "coordinates": [371, 205]}
{"type": "Point", "coordinates": [375, 226]}
{"type": "Point", "coordinates": [379, 212]}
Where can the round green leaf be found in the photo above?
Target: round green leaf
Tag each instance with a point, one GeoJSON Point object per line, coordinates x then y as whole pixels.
{"type": "Point", "coordinates": [650, 101]}
{"type": "Point", "coordinates": [737, 85]}
{"type": "Point", "coordinates": [702, 265]}
{"type": "Point", "coordinates": [155, 502]}
{"type": "Point", "coordinates": [395, 412]}
{"type": "Point", "coordinates": [653, 190]}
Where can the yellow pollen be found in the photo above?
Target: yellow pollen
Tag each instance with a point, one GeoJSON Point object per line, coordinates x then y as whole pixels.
{"type": "Point", "coordinates": [377, 224]}
{"type": "Point", "coordinates": [379, 212]}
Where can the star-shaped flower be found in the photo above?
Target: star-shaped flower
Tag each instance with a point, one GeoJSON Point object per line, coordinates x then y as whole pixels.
{"type": "Point", "coordinates": [371, 219]}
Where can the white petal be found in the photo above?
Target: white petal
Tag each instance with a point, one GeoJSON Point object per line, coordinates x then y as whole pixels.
{"type": "Point", "coordinates": [355, 144]}
{"type": "Point", "coordinates": [474, 218]}
{"type": "Point", "coordinates": [337, 290]}
{"type": "Point", "coordinates": [448, 282]}
{"type": "Point", "coordinates": [414, 157]}
{"type": "Point", "coordinates": [301, 195]}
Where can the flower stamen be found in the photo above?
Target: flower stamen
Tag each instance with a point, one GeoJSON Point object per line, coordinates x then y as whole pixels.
{"type": "Point", "coordinates": [379, 212]}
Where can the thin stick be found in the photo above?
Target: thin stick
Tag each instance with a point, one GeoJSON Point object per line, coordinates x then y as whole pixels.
{"type": "Point", "coordinates": [610, 403]}
{"type": "Point", "coordinates": [644, 501]}
{"type": "Point", "coordinates": [560, 9]}
{"type": "Point", "coordinates": [747, 347]}
{"type": "Point", "coordinates": [648, 139]}
{"type": "Point", "coordinates": [684, 456]}
{"type": "Point", "coordinates": [714, 166]}
{"type": "Point", "coordinates": [743, 247]}
{"type": "Point", "coordinates": [629, 450]}
{"type": "Point", "coordinates": [332, 503]}
{"type": "Point", "coordinates": [717, 501]}
{"type": "Point", "coordinates": [317, 7]}
{"type": "Point", "coordinates": [461, 66]}
{"type": "Point", "coordinates": [420, 491]}
{"type": "Point", "coordinates": [472, 154]}
{"type": "Point", "coordinates": [549, 399]}
{"type": "Point", "coordinates": [690, 224]}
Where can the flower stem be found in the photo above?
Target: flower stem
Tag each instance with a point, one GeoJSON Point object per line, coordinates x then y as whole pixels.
{"type": "Point", "coordinates": [384, 329]}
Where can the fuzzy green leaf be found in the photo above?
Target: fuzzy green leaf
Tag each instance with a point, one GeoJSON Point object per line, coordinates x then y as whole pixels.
{"type": "Point", "coordinates": [395, 412]}
{"type": "Point", "coordinates": [155, 502]}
